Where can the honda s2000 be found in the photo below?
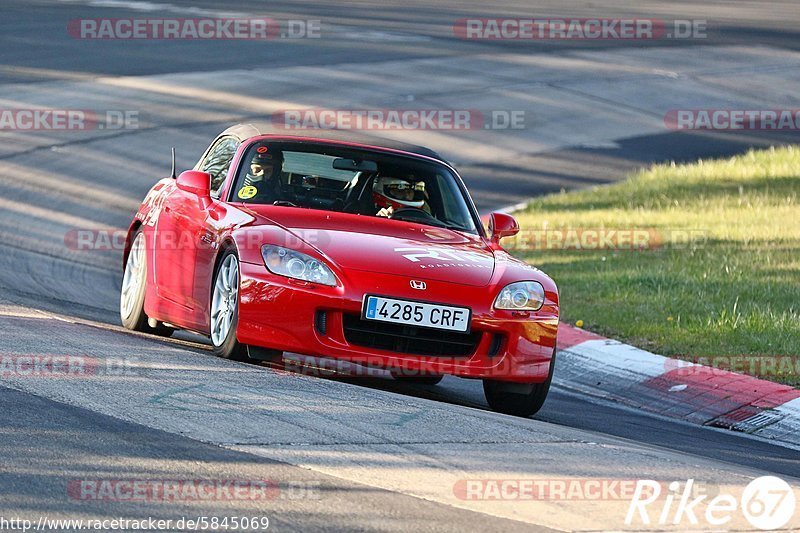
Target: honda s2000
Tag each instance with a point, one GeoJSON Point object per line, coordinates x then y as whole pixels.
{"type": "Point", "coordinates": [331, 245]}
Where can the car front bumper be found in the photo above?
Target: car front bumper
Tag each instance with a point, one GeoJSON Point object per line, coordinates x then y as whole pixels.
{"type": "Point", "coordinates": [295, 316]}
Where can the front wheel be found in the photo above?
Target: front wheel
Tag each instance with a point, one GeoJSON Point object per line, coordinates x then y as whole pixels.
{"type": "Point", "coordinates": [518, 399]}
{"type": "Point", "coordinates": [225, 309]}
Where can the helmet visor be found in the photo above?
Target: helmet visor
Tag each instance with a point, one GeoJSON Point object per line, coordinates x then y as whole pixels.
{"type": "Point", "coordinates": [403, 190]}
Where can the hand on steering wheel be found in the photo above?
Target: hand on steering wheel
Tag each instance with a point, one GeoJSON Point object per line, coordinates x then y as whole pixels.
{"type": "Point", "coordinates": [412, 213]}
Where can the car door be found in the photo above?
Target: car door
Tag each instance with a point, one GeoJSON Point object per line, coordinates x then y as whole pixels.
{"type": "Point", "coordinates": [182, 234]}
{"type": "Point", "coordinates": [220, 218]}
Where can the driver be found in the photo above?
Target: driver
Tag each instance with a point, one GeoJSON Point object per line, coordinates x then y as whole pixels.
{"type": "Point", "coordinates": [263, 177]}
{"type": "Point", "coordinates": [262, 168]}
{"type": "Point", "coordinates": [390, 194]}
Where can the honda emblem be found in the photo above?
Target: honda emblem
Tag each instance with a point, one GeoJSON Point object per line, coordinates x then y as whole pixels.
{"type": "Point", "coordinates": [419, 285]}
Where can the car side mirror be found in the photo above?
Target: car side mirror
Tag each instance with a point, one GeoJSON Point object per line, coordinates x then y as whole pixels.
{"type": "Point", "coordinates": [502, 225]}
{"type": "Point", "coordinates": [198, 183]}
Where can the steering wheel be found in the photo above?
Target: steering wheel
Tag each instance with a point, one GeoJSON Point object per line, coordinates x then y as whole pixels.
{"type": "Point", "coordinates": [412, 212]}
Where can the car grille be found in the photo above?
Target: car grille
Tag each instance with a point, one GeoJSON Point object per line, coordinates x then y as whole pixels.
{"type": "Point", "coordinates": [408, 339]}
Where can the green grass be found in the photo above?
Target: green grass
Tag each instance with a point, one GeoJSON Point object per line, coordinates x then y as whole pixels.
{"type": "Point", "coordinates": [734, 291]}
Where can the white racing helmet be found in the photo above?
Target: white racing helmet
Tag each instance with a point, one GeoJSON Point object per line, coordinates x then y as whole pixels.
{"type": "Point", "coordinates": [396, 193]}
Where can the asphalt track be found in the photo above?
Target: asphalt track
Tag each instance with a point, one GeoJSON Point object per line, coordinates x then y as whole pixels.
{"type": "Point", "coordinates": [597, 111]}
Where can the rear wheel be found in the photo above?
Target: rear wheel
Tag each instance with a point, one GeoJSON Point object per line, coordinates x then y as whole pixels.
{"type": "Point", "coordinates": [134, 279]}
{"type": "Point", "coordinates": [518, 399]}
{"type": "Point", "coordinates": [225, 309]}
{"type": "Point", "coordinates": [134, 286]}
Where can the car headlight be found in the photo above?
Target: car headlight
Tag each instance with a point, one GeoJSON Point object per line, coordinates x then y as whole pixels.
{"type": "Point", "coordinates": [521, 296]}
{"type": "Point", "coordinates": [292, 264]}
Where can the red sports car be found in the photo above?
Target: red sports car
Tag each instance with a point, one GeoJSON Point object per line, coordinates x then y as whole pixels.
{"type": "Point", "coordinates": [334, 245]}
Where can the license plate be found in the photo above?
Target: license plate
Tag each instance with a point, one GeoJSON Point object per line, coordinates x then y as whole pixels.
{"type": "Point", "coordinates": [413, 313]}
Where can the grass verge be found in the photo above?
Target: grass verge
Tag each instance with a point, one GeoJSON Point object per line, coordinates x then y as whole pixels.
{"type": "Point", "coordinates": [703, 263]}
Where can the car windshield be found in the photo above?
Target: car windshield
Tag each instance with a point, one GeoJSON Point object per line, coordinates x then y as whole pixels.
{"type": "Point", "coordinates": [324, 177]}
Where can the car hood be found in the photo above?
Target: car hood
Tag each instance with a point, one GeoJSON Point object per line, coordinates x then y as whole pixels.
{"type": "Point", "coordinates": [362, 243]}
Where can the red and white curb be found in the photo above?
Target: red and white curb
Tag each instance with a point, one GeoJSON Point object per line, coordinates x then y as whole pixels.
{"type": "Point", "coordinates": [609, 369]}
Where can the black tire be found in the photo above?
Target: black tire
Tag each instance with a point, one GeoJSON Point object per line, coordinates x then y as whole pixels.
{"type": "Point", "coordinates": [419, 380]}
{"type": "Point", "coordinates": [518, 399]}
{"type": "Point", "coordinates": [230, 347]}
